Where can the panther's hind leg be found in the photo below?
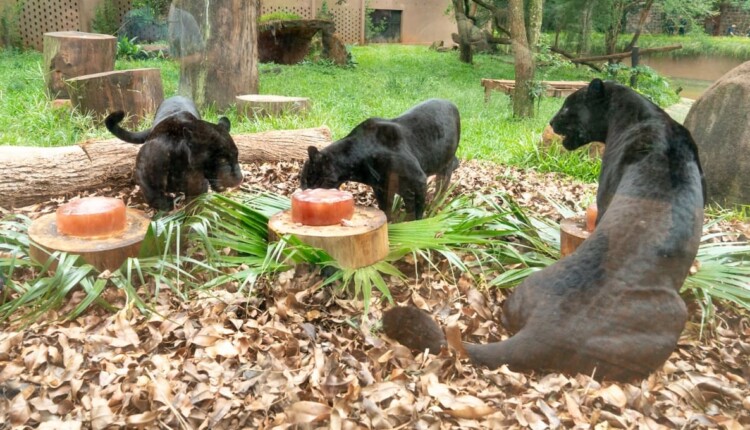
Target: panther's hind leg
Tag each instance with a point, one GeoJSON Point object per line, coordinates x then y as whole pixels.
{"type": "Point", "coordinates": [443, 178]}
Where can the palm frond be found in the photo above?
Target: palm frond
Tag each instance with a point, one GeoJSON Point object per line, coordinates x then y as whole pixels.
{"type": "Point", "coordinates": [723, 273]}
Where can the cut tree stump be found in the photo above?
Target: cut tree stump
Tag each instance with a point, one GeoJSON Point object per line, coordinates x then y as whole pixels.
{"type": "Point", "coordinates": [288, 41]}
{"type": "Point", "coordinates": [138, 92]}
{"type": "Point", "coordinates": [572, 234]}
{"type": "Point", "coordinates": [259, 105]}
{"type": "Point", "coordinates": [34, 175]}
{"type": "Point", "coordinates": [104, 253]}
{"type": "Point", "coordinates": [68, 54]}
{"type": "Point", "coordinates": [361, 242]}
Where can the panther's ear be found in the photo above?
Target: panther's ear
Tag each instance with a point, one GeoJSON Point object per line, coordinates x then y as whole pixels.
{"type": "Point", "coordinates": [224, 123]}
{"type": "Point", "coordinates": [596, 87]}
{"type": "Point", "coordinates": [181, 154]}
{"type": "Point", "coordinates": [388, 134]}
{"type": "Point", "coordinates": [187, 134]}
{"type": "Point", "coordinates": [312, 152]}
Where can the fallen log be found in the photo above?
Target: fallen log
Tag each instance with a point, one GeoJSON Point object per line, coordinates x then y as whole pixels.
{"type": "Point", "coordinates": [34, 175]}
{"type": "Point", "coordinates": [642, 51]}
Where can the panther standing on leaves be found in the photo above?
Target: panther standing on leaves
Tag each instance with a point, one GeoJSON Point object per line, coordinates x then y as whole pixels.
{"type": "Point", "coordinates": [393, 156]}
{"type": "Point", "coordinates": [181, 153]}
{"type": "Point", "coordinates": [612, 309]}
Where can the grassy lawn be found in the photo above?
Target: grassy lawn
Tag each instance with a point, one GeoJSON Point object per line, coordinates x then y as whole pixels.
{"type": "Point", "coordinates": [387, 80]}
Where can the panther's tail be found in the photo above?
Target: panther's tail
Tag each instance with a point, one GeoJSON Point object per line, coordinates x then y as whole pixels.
{"type": "Point", "coordinates": [113, 125]}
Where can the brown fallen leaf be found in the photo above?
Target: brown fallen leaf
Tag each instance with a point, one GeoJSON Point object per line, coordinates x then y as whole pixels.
{"type": "Point", "coordinates": [19, 411]}
{"type": "Point", "coordinates": [305, 412]}
{"type": "Point", "coordinates": [453, 337]}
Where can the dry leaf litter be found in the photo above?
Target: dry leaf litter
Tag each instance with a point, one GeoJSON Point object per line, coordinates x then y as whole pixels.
{"type": "Point", "coordinates": [294, 355]}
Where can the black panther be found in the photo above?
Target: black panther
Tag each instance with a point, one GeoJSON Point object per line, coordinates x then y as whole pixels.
{"type": "Point", "coordinates": [392, 155]}
{"type": "Point", "coordinates": [181, 153]}
{"type": "Point", "coordinates": [612, 308]}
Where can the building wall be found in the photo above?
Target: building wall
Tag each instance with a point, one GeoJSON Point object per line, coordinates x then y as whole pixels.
{"type": "Point", "coordinates": [43, 16]}
{"type": "Point", "coordinates": [423, 21]}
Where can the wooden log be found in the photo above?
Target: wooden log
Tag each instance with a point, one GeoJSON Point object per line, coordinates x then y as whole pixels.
{"type": "Point", "coordinates": [34, 175]}
{"type": "Point", "coordinates": [68, 54]}
{"type": "Point", "coordinates": [104, 253]}
{"type": "Point", "coordinates": [572, 234]}
{"type": "Point", "coordinates": [138, 92]}
{"type": "Point", "coordinates": [361, 242]}
{"type": "Point", "coordinates": [624, 54]}
{"type": "Point", "coordinates": [259, 105]}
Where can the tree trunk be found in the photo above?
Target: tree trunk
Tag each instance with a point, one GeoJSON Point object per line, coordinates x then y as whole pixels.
{"type": "Point", "coordinates": [523, 101]}
{"type": "Point", "coordinates": [534, 28]}
{"type": "Point", "coordinates": [641, 22]}
{"type": "Point", "coordinates": [227, 64]}
{"type": "Point", "coordinates": [464, 32]}
{"type": "Point", "coordinates": [33, 175]}
{"type": "Point", "coordinates": [587, 25]}
{"type": "Point", "coordinates": [68, 54]}
{"type": "Point", "coordinates": [615, 27]}
{"type": "Point", "coordinates": [137, 92]}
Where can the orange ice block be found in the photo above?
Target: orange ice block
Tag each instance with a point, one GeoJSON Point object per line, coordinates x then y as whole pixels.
{"type": "Point", "coordinates": [91, 216]}
{"type": "Point", "coordinates": [320, 206]}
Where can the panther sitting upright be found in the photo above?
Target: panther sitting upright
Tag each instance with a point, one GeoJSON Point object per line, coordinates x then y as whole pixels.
{"type": "Point", "coordinates": [612, 308]}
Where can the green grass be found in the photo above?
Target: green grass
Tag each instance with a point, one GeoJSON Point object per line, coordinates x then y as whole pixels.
{"type": "Point", "coordinates": [387, 80]}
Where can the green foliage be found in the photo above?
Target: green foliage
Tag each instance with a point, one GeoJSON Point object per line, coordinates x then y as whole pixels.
{"type": "Point", "coordinates": [648, 82]}
{"type": "Point", "coordinates": [10, 32]}
{"type": "Point", "coordinates": [324, 12]}
{"type": "Point", "coordinates": [129, 49]}
{"type": "Point", "coordinates": [372, 29]}
{"type": "Point", "coordinates": [485, 236]}
{"type": "Point", "coordinates": [279, 16]}
{"type": "Point", "coordinates": [158, 8]}
{"type": "Point", "coordinates": [106, 18]}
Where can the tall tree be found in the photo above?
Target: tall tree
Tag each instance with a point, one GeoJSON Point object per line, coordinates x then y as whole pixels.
{"type": "Point", "coordinates": [462, 12]}
{"type": "Point", "coordinates": [587, 27]}
{"type": "Point", "coordinates": [523, 100]}
{"type": "Point", "coordinates": [223, 60]}
{"type": "Point", "coordinates": [524, 37]}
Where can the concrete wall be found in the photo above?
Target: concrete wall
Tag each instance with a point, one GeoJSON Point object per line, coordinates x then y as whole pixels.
{"type": "Point", "coordinates": [422, 21]}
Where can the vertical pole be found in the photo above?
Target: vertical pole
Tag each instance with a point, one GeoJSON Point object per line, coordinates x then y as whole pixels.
{"type": "Point", "coordinates": [362, 28]}
{"type": "Point", "coordinates": [634, 60]}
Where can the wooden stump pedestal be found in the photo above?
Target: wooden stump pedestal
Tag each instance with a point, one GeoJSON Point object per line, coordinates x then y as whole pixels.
{"type": "Point", "coordinates": [361, 242]}
{"type": "Point", "coordinates": [138, 92]}
{"type": "Point", "coordinates": [104, 253]}
{"type": "Point", "coordinates": [68, 54]}
{"type": "Point", "coordinates": [259, 105]}
{"type": "Point", "coordinates": [572, 234]}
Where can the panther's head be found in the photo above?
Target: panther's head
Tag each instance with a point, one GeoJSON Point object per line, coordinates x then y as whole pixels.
{"type": "Point", "coordinates": [583, 116]}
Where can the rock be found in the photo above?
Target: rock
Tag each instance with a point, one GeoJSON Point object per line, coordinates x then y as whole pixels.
{"type": "Point", "coordinates": [720, 124]}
